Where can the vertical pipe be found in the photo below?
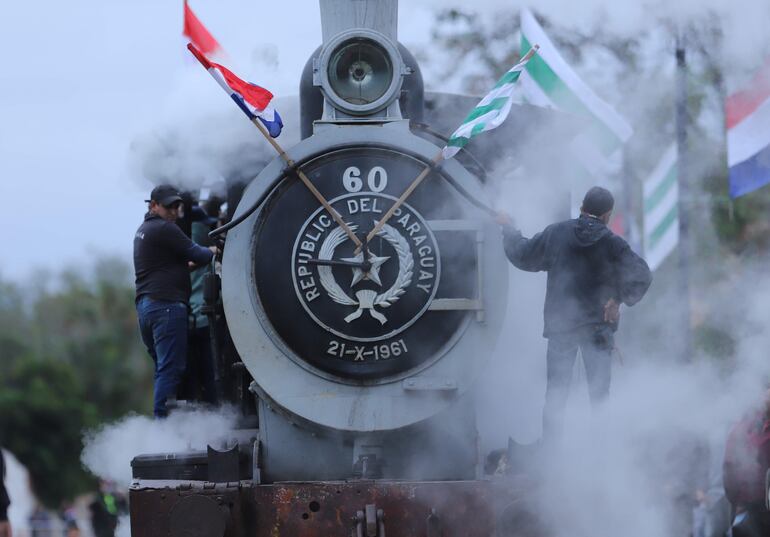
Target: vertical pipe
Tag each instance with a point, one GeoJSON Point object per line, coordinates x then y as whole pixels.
{"type": "Point", "coordinates": [685, 241]}
{"type": "Point", "coordinates": [340, 15]}
{"type": "Point", "coordinates": [629, 219]}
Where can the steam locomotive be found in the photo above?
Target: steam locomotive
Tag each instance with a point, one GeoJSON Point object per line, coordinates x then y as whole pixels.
{"type": "Point", "coordinates": [353, 367]}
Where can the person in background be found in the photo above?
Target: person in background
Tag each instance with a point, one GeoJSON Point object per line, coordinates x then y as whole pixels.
{"type": "Point", "coordinates": [201, 375]}
{"type": "Point", "coordinates": [70, 519]}
{"type": "Point", "coordinates": [40, 523]}
{"type": "Point", "coordinates": [104, 513]}
{"type": "Point", "coordinates": [747, 460]}
{"type": "Point", "coordinates": [591, 271]}
{"type": "Point", "coordinates": [5, 525]}
{"type": "Point", "coordinates": [162, 258]}
{"type": "Point", "coordinates": [107, 507]}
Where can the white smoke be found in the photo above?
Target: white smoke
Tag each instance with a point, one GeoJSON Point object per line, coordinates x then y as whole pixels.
{"type": "Point", "coordinates": [191, 150]}
{"type": "Point", "coordinates": [124, 526]}
{"type": "Point", "coordinates": [633, 467]}
{"type": "Point", "coordinates": [17, 484]}
{"type": "Point", "coordinates": [109, 450]}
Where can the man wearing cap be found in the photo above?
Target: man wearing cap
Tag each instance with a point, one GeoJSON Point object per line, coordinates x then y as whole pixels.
{"type": "Point", "coordinates": [162, 258]}
{"type": "Point", "coordinates": [591, 271]}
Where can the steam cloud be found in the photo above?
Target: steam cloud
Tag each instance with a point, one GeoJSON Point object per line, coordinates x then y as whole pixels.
{"type": "Point", "coordinates": [109, 450]}
{"type": "Point", "coordinates": [632, 467]}
{"type": "Point", "coordinates": [193, 150]}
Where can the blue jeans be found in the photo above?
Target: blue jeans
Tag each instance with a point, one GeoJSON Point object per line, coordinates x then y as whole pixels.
{"type": "Point", "coordinates": [163, 326]}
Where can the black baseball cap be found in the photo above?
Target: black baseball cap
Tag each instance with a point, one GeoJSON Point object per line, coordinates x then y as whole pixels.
{"type": "Point", "coordinates": [598, 201]}
{"type": "Point", "coordinates": [165, 195]}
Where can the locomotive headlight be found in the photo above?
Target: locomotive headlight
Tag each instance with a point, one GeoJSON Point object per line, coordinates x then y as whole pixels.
{"type": "Point", "coordinates": [360, 72]}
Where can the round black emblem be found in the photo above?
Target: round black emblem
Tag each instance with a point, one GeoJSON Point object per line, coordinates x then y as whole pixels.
{"type": "Point", "coordinates": [383, 311]}
{"type": "Point", "coordinates": [384, 288]}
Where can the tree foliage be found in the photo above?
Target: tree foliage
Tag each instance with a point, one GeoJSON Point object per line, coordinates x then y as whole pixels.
{"type": "Point", "coordinates": [72, 358]}
{"type": "Point", "coordinates": [43, 409]}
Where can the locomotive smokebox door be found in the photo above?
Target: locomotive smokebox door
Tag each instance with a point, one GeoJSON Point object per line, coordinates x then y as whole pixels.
{"type": "Point", "coordinates": [364, 337]}
{"type": "Point", "coordinates": [368, 339]}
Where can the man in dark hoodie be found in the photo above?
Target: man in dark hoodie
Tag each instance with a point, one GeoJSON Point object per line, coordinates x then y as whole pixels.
{"type": "Point", "coordinates": [591, 271]}
{"type": "Point", "coordinates": [163, 256]}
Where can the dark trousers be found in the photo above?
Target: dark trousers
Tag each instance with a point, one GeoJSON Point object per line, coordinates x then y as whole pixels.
{"type": "Point", "coordinates": [163, 326]}
{"type": "Point", "coordinates": [200, 377]}
{"type": "Point", "coordinates": [595, 344]}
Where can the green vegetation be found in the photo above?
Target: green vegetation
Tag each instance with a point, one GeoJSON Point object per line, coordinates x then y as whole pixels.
{"type": "Point", "coordinates": [71, 359]}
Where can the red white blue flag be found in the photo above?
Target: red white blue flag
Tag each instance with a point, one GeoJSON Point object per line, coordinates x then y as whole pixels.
{"type": "Point", "coordinates": [748, 135]}
{"type": "Point", "coordinates": [198, 34]}
{"type": "Point", "coordinates": [252, 99]}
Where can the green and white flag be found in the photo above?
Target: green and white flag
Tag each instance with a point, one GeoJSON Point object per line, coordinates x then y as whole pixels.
{"type": "Point", "coordinates": [491, 110]}
{"type": "Point", "coordinates": [661, 204]}
{"type": "Point", "coordinates": [548, 81]}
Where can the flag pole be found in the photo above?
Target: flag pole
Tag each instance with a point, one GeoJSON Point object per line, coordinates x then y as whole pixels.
{"type": "Point", "coordinates": [629, 213]}
{"type": "Point", "coordinates": [310, 186]}
{"type": "Point", "coordinates": [685, 240]}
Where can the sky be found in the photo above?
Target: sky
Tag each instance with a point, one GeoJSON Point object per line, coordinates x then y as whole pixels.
{"type": "Point", "coordinates": [84, 78]}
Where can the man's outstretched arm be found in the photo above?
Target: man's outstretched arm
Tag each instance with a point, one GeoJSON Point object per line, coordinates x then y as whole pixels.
{"type": "Point", "coordinates": [175, 239]}
{"type": "Point", "coordinates": [525, 254]}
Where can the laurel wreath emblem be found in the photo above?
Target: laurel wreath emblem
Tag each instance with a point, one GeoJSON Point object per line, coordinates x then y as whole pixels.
{"type": "Point", "coordinates": [335, 238]}
{"type": "Point", "coordinates": [367, 299]}
{"type": "Point", "coordinates": [405, 266]}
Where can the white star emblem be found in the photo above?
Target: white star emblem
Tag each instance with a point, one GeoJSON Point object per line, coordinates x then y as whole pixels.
{"type": "Point", "coordinates": [374, 272]}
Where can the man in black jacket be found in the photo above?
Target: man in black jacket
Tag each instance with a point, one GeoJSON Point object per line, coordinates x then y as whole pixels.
{"type": "Point", "coordinates": [163, 255]}
{"type": "Point", "coordinates": [591, 271]}
{"type": "Point", "coordinates": [5, 526]}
